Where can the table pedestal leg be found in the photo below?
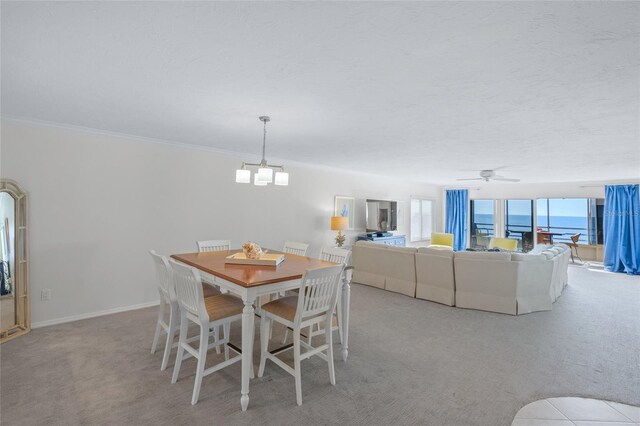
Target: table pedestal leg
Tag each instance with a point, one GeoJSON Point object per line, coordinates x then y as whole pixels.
{"type": "Point", "coordinates": [247, 350]}
{"type": "Point", "coordinates": [346, 299]}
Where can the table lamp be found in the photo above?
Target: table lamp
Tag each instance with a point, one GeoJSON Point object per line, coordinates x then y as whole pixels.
{"type": "Point", "coordinates": [339, 223]}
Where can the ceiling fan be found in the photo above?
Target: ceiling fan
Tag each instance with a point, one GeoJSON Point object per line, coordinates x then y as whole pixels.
{"type": "Point", "coordinates": [487, 175]}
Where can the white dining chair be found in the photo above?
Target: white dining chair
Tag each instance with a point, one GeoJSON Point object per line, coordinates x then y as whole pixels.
{"type": "Point", "coordinates": [167, 298]}
{"type": "Point", "coordinates": [208, 314]}
{"type": "Point", "coordinates": [314, 304]}
{"type": "Point", "coordinates": [210, 287]}
{"type": "Point", "coordinates": [335, 255]}
{"type": "Point", "coordinates": [290, 247]}
{"type": "Point", "coordinates": [213, 245]}
{"type": "Point", "coordinates": [299, 249]}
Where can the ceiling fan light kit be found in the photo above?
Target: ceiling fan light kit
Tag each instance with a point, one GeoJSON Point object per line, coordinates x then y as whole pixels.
{"type": "Point", "coordinates": [489, 175]}
{"type": "Point", "coordinates": [264, 175]}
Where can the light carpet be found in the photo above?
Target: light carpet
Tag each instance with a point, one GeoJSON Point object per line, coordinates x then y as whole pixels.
{"type": "Point", "coordinates": [411, 362]}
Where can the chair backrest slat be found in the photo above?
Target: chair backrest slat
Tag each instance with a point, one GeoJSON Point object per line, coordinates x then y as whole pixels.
{"type": "Point", "coordinates": [164, 275]}
{"type": "Point", "coordinates": [188, 288]}
{"type": "Point", "coordinates": [318, 292]}
{"type": "Point", "coordinates": [299, 249]}
{"type": "Point", "coordinates": [214, 245]}
{"type": "Point", "coordinates": [335, 255]}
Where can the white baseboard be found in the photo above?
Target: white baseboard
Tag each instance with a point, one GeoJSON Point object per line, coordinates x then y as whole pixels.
{"type": "Point", "coordinates": [72, 318]}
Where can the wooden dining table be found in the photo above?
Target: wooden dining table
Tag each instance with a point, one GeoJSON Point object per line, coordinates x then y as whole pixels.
{"type": "Point", "coordinates": [250, 282]}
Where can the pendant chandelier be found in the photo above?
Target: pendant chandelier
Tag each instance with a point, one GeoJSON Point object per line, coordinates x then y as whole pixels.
{"type": "Point", "coordinates": [264, 175]}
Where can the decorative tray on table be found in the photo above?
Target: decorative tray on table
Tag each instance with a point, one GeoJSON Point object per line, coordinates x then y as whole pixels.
{"type": "Point", "coordinates": [268, 259]}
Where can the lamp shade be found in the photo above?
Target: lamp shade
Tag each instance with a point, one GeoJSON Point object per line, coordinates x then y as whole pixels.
{"type": "Point", "coordinates": [339, 223]}
{"type": "Point", "coordinates": [243, 176]}
{"type": "Point", "coordinates": [265, 174]}
{"type": "Point", "coordinates": [282, 179]}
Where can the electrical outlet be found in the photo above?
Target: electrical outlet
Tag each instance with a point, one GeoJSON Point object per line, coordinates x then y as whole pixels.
{"type": "Point", "coordinates": [45, 294]}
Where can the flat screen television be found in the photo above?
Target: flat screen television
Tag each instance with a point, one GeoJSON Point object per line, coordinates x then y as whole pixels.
{"type": "Point", "coordinates": [381, 215]}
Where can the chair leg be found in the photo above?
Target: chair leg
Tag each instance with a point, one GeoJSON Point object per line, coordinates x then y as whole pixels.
{"type": "Point", "coordinates": [286, 334]}
{"type": "Point", "coordinates": [310, 335]}
{"type": "Point", "coordinates": [216, 335]}
{"type": "Point", "coordinates": [329, 339]}
{"type": "Point", "coordinates": [296, 365]}
{"type": "Point", "coordinates": [184, 328]}
{"type": "Point", "coordinates": [202, 358]}
{"type": "Point", "coordinates": [170, 337]}
{"type": "Point", "coordinates": [156, 336]}
{"type": "Point", "coordinates": [265, 328]}
{"type": "Point", "coordinates": [578, 256]}
{"type": "Point", "coordinates": [226, 328]}
{"type": "Point", "coordinates": [339, 317]}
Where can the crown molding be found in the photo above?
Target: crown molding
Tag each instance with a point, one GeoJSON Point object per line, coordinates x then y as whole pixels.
{"type": "Point", "coordinates": [241, 156]}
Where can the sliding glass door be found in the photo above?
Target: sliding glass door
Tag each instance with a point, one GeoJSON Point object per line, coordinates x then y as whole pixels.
{"type": "Point", "coordinates": [560, 218]}
{"type": "Point", "coordinates": [482, 219]}
{"type": "Point", "coordinates": [518, 222]}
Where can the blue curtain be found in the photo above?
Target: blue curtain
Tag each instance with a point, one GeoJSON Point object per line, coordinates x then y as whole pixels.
{"type": "Point", "coordinates": [622, 229]}
{"type": "Point", "coordinates": [457, 208]}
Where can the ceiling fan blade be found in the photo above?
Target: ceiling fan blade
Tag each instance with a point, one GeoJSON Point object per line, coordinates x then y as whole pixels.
{"type": "Point", "coordinates": [471, 179]}
{"type": "Point", "coordinates": [504, 179]}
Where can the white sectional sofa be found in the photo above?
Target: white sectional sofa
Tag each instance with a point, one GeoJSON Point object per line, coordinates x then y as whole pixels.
{"type": "Point", "coordinates": [511, 283]}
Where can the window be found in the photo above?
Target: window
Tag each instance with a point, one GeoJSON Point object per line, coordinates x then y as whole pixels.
{"type": "Point", "coordinates": [482, 219]}
{"type": "Point", "coordinates": [564, 217]}
{"type": "Point", "coordinates": [518, 223]}
{"type": "Point", "coordinates": [421, 219]}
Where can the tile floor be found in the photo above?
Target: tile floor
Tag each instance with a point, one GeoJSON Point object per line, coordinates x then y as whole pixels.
{"type": "Point", "coordinates": [577, 412]}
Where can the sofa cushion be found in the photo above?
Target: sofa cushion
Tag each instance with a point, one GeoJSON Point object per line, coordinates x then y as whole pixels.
{"type": "Point", "coordinates": [527, 257]}
{"type": "Point", "coordinates": [436, 252]}
{"type": "Point", "coordinates": [407, 250]}
{"type": "Point", "coordinates": [488, 255]}
{"type": "Point", "coordinates": [539, 248]}
{"type": "Point", "coordinates": [440, 247]}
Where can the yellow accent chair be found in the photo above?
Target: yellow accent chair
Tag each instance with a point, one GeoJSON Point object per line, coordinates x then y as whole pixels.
{"type": "Point", "coordinates": [504, 243]}
{"type": "Point", "coordinates": [441, 241]}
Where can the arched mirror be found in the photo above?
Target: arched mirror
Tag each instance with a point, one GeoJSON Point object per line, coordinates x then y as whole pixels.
{"type": "Point", "coordinates": [15, 318]}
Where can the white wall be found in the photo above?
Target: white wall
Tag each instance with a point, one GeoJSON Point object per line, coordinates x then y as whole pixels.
{"type": "Point", "coordinates": [99, 202]}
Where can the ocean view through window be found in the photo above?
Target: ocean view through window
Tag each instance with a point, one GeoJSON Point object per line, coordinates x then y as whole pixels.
{"type": "Point", "coordinates": [482, 219]}
{"type": "Point", "coordinates": [519, 222]}
{"type": "Point", "coordinates": [562, 217]}
{"type": "Point", "coordinates": [566, 216]}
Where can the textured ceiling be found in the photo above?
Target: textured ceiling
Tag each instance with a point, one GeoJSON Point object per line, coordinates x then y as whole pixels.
{"type": "Point", "coordinates": [427, 91]}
